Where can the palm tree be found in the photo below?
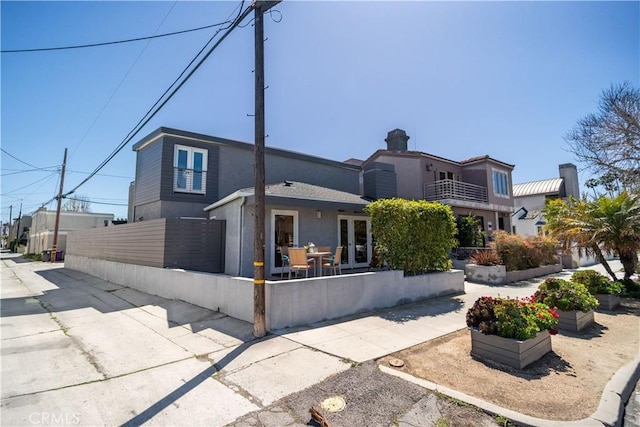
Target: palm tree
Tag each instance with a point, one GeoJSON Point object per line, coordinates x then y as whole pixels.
{"type": "Point", "coordinates": [604, 224]}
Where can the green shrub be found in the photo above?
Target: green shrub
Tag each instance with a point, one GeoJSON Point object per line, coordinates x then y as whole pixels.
{"type": "Point", "coordinates": [630, 288]}
{"type": "Point", "coordinates": [520, 252]}
{"type": "Point", "coordinates": [33, 256]}
{"type": "Point", "coordinates": [414, 236]}
{"type": "Point", "coordinates": [596, 283]}
{"type": "Point", "coordinates": [566, 296]}
{"type": "Point", "coordinates": [469, 233]}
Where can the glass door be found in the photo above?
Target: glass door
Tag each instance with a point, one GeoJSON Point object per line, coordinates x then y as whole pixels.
{"type": "Point", "coordinates": [355, 239]}
{"type": "Point", "coordinates": [284, 234]}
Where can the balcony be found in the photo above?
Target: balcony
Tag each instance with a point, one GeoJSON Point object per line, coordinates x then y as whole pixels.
{"type": "Point", "coordinates": [448, 189]}
{"type": "Point", "coordinates": [189, 181]}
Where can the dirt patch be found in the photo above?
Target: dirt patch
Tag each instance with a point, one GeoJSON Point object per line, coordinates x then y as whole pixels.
{"type": "Point", "coordinates": [566, 384]}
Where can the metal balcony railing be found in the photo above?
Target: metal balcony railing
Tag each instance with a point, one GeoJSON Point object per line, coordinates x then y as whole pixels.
{"type": "Point", "coordinates": [189, 180]}
{"type": "Point", "coordinates": [456, 190]}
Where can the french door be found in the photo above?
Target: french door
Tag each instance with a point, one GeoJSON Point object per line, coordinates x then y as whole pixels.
{"type": "Point", "coordinates": [355, 238]}
{"type": "Point", "coordinates": [284, 234]}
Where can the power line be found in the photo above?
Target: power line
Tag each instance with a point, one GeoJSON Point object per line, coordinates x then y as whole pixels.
{"type": "Point", "coordinates": [97, 203]}
{"type": "Point", "coordinates": [151, 112]}
{"type": "Point", "coordinates": [45, 49]}
{"type": "Point", "coordinates": [104, 107]}
{"type": "Point", "coordinates": [21, 161]}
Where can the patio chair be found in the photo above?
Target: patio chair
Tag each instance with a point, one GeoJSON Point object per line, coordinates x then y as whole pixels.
{"type": "Point", "coordinates": [298, 261]}
{"type": "Point", "coordinates": [334, 262]}
{"type": "Point", "coordinates": [284, 254]}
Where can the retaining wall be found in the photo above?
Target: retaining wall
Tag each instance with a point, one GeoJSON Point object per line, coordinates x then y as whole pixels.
{"type": "Point", "coordinates": [288, 302]}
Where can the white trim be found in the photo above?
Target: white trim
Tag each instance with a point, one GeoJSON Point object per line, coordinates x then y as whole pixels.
{"type": "Point", "coordinates": [191, 151]}
{"type": "Point", "coordinates": [493, 183]}
{"type": "Point", "coordinates": [272, 243]}
{"type": "Point", "coordinates": [351, 256]}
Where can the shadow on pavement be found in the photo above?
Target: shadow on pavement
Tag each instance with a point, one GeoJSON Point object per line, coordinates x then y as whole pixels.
{"type": "Point", "coordinates": [75, 290]}
{"type": "Point", "coordinates": [169, 399]}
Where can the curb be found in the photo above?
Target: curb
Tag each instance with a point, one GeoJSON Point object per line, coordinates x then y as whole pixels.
{"type": "Point", "coordinates": [610, 411]}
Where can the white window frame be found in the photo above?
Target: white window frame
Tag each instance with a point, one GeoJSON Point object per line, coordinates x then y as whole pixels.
{"type": "Point", "coordinates": [496, 189]}
{"type": "Point", "coordinates": [190, 159]}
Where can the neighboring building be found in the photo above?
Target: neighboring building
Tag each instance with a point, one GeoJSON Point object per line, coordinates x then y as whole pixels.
{"type": "Point", "coordinates": [529, 199]}
{"type": "Point", "coordinates": [179, 173]}
{"type": "Point", "coordinates": [480, 186]}
{"type": "Point", "coordinates": [40, 236]}
{"type": "Point", "coordinates": [20, 230]}
{"type": "Point", "coordinates": [296, 213]}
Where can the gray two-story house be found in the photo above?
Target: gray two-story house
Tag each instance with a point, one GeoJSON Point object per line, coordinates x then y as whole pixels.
{"type": "Point", "coordinates": [309, 199]}
{"type": "Point", "coordinates": [480, 186]}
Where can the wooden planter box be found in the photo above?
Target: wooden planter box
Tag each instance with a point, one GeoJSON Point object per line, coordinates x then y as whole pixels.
{"type": "Point", "coordinates": [509, 351]}
{"type": "Point", "coordinates": [608, 302]}
{"type": "Point", "coordinates": [574, 321]}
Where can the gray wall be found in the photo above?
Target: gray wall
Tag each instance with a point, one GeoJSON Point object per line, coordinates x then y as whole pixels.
{"type": "Point", "coordinates": [230, 168]}
{"type": "Point", "coordinates": [188, 244]}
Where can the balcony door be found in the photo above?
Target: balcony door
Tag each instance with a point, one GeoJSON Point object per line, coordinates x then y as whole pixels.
{"type": "Point", "coordinates": [355, 238]}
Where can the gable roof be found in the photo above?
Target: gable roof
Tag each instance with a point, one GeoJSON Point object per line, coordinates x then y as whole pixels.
{"type": "Point", "coordinates": [545, 186]}
{"type": "Point", "coordinates": [297, 191]}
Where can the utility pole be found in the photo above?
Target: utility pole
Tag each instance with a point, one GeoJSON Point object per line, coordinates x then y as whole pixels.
{"type": "Point", "coordinates": [259, 326]}
{"type": "Point", "coordinates": [54, 248]}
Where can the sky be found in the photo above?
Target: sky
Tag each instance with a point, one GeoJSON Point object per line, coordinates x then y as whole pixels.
{"type": "Point", "coordinates": [507, 79]}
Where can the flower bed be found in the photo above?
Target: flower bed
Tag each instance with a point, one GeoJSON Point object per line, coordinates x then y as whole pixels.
{"type": "Point", "coordinates": [573, 301]}
{"type": "Point", "coordinates": [508, 351]}
{"type": "Point", "coordinates": [606, 291]}
{"type": "Point", "coordinates": [516, 331]}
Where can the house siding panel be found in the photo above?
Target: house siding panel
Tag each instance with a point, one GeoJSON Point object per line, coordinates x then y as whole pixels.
{"type": "Point", "coordinates": [148, 174]}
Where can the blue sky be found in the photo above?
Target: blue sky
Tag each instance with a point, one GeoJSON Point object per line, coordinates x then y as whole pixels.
{"type": "Point", "coordinates": [507, 79]}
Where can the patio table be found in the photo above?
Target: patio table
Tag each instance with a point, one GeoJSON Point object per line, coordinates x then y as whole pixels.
{"type": "Point", "coordinates": [317, 256]}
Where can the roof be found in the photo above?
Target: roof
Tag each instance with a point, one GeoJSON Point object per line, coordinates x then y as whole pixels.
{"type": "Point", "coordinates": [409, 153]}
{"type": "Point", "coordinates": [163, 131]}
{"type": "Point", "coordinates": [296, 190]}
{"type": "Point", "coordinates": [545, 186]}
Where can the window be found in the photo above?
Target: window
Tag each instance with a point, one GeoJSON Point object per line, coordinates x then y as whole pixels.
{"type": "Point", "coordinates": [446, 175]}
{"type": "Point", "coordinates": [500, 184]}
{"type": "Point", "coordinates": [189, 170]}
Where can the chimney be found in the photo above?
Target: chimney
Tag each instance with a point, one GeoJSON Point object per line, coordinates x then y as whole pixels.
{"type": "Point", "coordinates": [397, 140]}
{"type": "Point", "coordinates": [569, 173]}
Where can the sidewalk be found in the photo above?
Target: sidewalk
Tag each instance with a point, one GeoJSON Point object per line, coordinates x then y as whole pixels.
{"type": "Point", "coordinates": [80, 351]}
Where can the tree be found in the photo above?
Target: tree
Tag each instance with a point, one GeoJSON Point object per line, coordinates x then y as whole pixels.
{"type": "Point", "coordinates": [604, 224]}
{"type": "Point", "coordinates": [608, 142]}
{"type": "Point", "coordinates": [469, 231]}
{"type": "Point", "coordinates": [79, 203]}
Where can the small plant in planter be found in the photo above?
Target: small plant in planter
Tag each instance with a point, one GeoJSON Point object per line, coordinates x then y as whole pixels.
{"type": "Point", "coordinates": [486, 258]}
{"type": "Point", "coordinates": [606, 292]}
{"type": "Point", "coordinates": [596, 283]}
{"type": "Point", "coordinates": [573, 301]}
{"type": "Point", "coordinates": [514, 332]}
{"type": "Point", "coordinates": [511, 318]}
{"type": "Point", "coordinates": [565, 295]}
